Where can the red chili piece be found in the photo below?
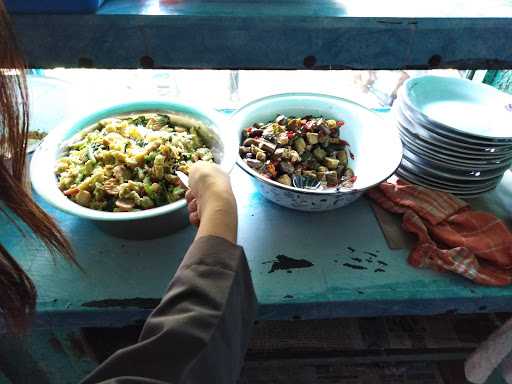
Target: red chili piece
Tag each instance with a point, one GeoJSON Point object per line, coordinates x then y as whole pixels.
{"type": "Point", "coordinates": [272, 169]}
{"type": "Point", "coordinates": [340, 123]}
{"type": "Point", "coordinates": [353, 179]}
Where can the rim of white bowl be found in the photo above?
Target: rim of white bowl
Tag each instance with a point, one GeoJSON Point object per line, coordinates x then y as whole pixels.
{"type": "Point", "coordinates": [40, 176]}
{"type": "Point", "coordinates": [334, 191]}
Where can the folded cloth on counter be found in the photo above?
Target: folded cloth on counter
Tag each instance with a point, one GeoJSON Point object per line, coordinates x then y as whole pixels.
{"type": "Point", "coordinates": [451, 236]}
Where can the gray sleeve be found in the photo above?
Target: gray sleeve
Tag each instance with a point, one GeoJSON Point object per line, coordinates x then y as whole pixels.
{"type": "Point", "coordinates": [200, 330]}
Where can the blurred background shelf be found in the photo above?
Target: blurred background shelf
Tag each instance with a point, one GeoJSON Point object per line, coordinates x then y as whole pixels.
{"type": "Point", "coordinates": [283, 34]}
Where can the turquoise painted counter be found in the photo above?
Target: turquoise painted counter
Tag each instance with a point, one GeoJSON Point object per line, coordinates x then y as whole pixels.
{"type": "Point", "coordinates": [124, 279]}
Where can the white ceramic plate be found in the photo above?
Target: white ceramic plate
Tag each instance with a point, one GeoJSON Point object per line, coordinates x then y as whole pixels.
{"type": "Point", "coordinates": [445, 150]}
{"type": "Point", "coordinates": [461, 187]}
{"type": "Point", "coordinates": [445, 178]}
{"type": "Point", "coordinates": [428, 183]}
{"type": "Point", "coordinates": [435, 152]}
{"type": "Point", "coordinates": [450, 133]}
{"type": "Point", "coordinates": [456, 192]}
{"type": "Point", "coordinates": [434, 136]}
{"type": "Point", "coordinates": [464, 163]}
{"type": "Point", "coordinates": [423, 166]}
{"type": "Point", "coordinates": [470, 108]}
{"type": "Point", "coordinates": [452, 150]}
{"type": "Point", "coordinates": [443, 167]}
{"type": "Point", "coordinates": [446, 182]}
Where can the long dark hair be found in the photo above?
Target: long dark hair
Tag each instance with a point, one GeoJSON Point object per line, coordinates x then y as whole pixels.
{"type": "Point", "coordinates": [17, 292]}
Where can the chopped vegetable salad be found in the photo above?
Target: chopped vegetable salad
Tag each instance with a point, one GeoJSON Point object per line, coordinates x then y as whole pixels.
{"type": "Point", "coordinates": [308, 147]}
{"type": "Point", "coordinates": [128, 163]}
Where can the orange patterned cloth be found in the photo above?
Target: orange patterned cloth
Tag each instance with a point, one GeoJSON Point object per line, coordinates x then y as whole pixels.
{"type": "Point", "coordinates": [451, 236]}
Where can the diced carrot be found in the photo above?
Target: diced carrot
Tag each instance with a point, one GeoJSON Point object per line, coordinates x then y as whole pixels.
{"type": "Point", "coordinates": [272, 169]}
{"type": "Point", "coordinates": [72, 191]}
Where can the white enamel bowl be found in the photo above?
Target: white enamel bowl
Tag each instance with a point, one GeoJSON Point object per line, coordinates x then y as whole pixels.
{"type": "Point", "coordinates": [374, 142]}
{"type": "Point", "coordinates": [149, 223]}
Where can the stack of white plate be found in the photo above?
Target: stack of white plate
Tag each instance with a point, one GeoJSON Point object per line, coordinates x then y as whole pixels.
{"type": "Point", "coordinates": [457, 134]}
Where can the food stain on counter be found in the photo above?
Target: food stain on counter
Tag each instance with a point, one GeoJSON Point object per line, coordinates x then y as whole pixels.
{"type": "Point", "coordinates": [362, 262]}
{"type": "Point", "coordinates": [286, 263]}
{"type": "Point", "coordinates": [353, 266]}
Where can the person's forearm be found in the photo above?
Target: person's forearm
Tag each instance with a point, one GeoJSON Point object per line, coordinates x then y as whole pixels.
{"type": "Point", "coordinates": [219, 218]}
{"type": "Point", "coordinates": [200, 331]}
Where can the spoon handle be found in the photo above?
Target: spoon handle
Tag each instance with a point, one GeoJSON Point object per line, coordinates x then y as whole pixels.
{"type": "Point", "coordinates": [183, 178]}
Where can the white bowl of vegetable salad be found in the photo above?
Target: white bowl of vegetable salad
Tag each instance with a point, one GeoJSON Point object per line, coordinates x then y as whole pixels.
{"type": "Point", "coordinates": [117, 166]}
{"type": "Point", "coordinates": [314, 152]}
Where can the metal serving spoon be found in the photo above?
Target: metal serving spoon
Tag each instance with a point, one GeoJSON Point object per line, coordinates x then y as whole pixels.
{"type": "Point", "coordinates": [305, 182]}
{"type": "Point", "coordinates": [183, 178]}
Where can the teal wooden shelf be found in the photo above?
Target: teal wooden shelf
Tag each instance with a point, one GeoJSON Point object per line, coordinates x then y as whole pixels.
{"type": "Point", "coordinates": [264, 34]}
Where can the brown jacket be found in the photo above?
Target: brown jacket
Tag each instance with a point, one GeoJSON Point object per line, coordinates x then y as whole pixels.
{"type": "Point", "coordinates": [200, 330]}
